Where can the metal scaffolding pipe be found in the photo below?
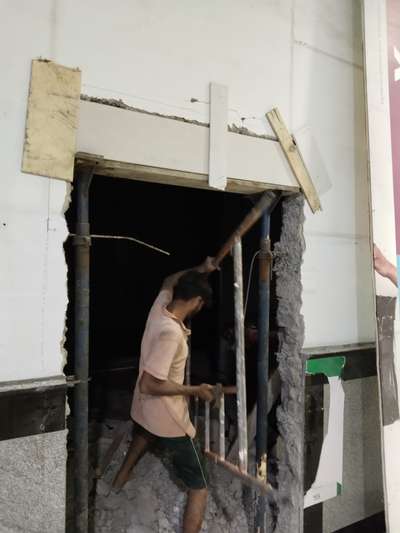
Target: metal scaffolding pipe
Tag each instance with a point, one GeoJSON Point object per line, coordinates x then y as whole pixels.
{"type": "Point", "coordinates": [263, 345]}
{"type": "Point", "coordinates": [264, 282]}
{"type": "Point", "coordinates": [222, 426]}
{"type": "Point", "coordinates": [207, 426]}
{"type": "Point", "coordinates": [266, 200]}
{"type": "Point", "coordinates": [247, 479]}
{"type": "Point", "coordinates": [81, 344]}
{"type": "Point", "coordinates": [240, 362]}
{"type": "Point", "coordinates": [263, 365]}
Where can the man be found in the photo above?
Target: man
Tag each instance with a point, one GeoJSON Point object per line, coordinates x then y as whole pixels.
{"type": "Point", "coordinates": [160, 401]}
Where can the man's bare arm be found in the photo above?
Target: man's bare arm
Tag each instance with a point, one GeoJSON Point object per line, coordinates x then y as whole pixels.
{"type": "Point", "coordinates": [157, 387]}
{"type": "Point", "coordinates": [384, 267]}
{"type": "Point", "coordinates": [206, 267]}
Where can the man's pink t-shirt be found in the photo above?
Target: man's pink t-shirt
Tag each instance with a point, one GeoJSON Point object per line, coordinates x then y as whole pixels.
{"type": "Point", "coordinates": [163, 354]}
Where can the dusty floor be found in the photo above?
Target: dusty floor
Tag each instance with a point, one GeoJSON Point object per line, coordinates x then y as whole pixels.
{"type": "Point", "coordinates": [153, 502]}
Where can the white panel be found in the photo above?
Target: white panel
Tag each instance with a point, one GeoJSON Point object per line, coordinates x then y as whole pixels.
{"type": "Point", "coordinates": [31, 332]}
{"type": "Point", "coordinates": [336, 305]}
{"type": "Point", "coordinates": [144, 139]}
{"type": "Point", "coordinates": [331, 26]}
{"type": "Point", "coordinates": [217, 177]}
{"type": "Point", "coordinates": [159, 55]}
{"type": "Point", "coordinates": [328, 113]}
{"type": "Point", "coordinates": [383, 219]}
{"type": "Point", "coordinates": [379, 138]}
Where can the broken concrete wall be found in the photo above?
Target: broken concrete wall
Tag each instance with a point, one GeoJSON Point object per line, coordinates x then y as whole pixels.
{"type": "Point", "coordinates": [290, 414]}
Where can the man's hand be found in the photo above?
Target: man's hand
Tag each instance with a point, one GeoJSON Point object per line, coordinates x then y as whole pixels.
{"type": "Point", "coordinates": [383, 266]}
{"type": "Point", "coordinates": [205, 392]}
{"type": "Point", "coordinates": [208, 266]}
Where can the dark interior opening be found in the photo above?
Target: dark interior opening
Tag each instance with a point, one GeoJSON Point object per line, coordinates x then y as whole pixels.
{"type": "Point", "coordinates": [125, 277]}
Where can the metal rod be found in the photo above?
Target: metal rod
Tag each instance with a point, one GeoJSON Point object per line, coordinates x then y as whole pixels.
{"type": "Point", "coordinates": [263, 345]}
{"type": "Point", "coordinates": [240, 362]}
{"type": "Point", "coordinates": [266, 200]}
{"type": "Point", "coordinates": [132, 239]}
{"type": "Point", "coordinates": [222, 426]}
{"type": "Point", "coordinates": [248, 480]}
{"type": "Point", "coordinates": [207, 426]}
{"type": "Point", "coordinates": [263, 365]}
{"type": "Point", "coordinates": [81, 344]}
{"type": "Point", "coordinates": [196, 413]}
{"type": "Point", "coordinates": [264, 286]}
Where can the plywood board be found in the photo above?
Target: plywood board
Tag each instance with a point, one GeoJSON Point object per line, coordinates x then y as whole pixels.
{"type": "Point", "coordinates": [217, 177]}
{"type": "Point", "coordinates": [52, 120]}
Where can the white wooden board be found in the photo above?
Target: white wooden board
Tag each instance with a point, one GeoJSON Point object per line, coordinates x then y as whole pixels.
{"type": "Point", "coordinates": [217, 177]}
{"type": "Point", "coordinates": [150, 140]}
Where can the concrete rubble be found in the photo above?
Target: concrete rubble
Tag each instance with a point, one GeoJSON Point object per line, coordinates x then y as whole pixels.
{"type": "Point", "coordinates": [154, 502]}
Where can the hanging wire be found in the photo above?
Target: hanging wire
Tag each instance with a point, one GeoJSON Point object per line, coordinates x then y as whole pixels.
{"type": "Point", "coordinates": [249, 282]}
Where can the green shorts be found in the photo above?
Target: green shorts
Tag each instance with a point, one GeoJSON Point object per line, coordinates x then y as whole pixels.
{"type": "Point", "coordinates": [187, 459]}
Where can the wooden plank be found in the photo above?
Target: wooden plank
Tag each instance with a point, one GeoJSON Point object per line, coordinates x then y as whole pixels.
{"type": "Point", "coordinates": [52, 120]}
{"type": "Point", "coordinates": [217, 173]}
{"type": "Point", "coordinates": [294, 158]}
{"type": "Point", "coordinates": [122, 169]}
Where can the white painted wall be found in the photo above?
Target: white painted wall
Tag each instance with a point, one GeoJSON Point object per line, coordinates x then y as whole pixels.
{"type": "Point", "coordinates": [383, 218]}
{"type": "Point", "coordinates": [32, 227]}
{"type": "Point", "coordinates": [303, 56]}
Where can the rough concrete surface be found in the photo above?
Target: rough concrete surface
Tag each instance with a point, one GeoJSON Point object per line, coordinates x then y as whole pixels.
{"type": "Point", "coordinates": [154, 502]}
{"type": "Point", "coordinates": [290, 414]}
{"type": "Point", "coordinates": [233, 128]}
{"type": "Point", "coordinates": [32, 488]}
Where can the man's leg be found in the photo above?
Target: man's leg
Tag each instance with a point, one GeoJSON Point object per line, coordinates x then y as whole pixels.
{"type": "Point", "coordinates": [189, 466]}
{"type": "Point", "coordinates": [194, 511]}
{"type": "Point", "coordinates": [141, 441]}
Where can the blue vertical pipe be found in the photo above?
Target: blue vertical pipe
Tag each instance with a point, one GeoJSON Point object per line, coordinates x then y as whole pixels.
{"type": "Point", "coordinates": [263, 361]}
{"type": "Point", "coordinates": [81, 346]}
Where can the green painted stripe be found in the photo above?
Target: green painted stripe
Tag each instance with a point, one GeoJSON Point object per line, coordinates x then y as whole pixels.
{"type": "Point", "coordinates": [330, 366]}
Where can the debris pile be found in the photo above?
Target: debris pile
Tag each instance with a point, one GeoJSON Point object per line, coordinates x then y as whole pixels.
{"type": "Point", "coordinates": [152, 501]}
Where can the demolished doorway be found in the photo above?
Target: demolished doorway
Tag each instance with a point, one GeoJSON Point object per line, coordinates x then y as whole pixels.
{"type": "Point", "coordinates": [125, 276]}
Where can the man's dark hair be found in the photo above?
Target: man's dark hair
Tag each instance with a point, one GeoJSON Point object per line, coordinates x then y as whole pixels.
{"type": "Point", "coordinates": [193, 284]}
